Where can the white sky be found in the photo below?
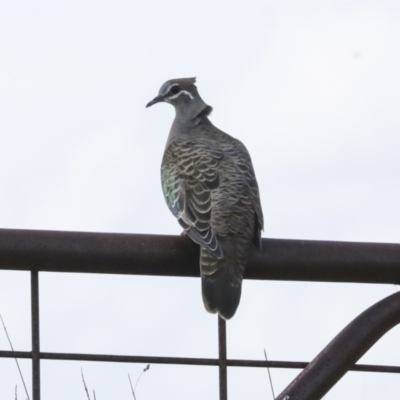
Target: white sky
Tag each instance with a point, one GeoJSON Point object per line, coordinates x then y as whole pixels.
{"type": "Point", "coordinates": [313, 90]}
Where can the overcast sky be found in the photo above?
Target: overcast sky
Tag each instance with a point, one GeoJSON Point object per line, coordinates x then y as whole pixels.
{"type": "Point", "coordinates": [313, 90]}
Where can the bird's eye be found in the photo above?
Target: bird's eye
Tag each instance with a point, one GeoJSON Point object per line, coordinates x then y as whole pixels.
{"type": "Point", "coordinates": [175, 89]}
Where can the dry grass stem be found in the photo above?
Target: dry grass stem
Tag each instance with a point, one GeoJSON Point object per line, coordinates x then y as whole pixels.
{"type": "Point", "coordinates": [130, 383]}
{"type": "Point", "coordinates": [137, 381]}
{"type": "Point", "coordinates": [269, 375]}
{"type": "Point", "coordinates": [84, 384]}
{"type": "Point", "coordinates": [19, 369]}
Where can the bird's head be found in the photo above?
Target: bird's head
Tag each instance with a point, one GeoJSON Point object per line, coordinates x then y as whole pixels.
{"type": "Point", "coordinates": [176, 92]}
{"type": "Point", "coordinates": [183, 95]}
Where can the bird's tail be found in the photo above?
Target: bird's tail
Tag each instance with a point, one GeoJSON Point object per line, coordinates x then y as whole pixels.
{"type": "Point", "coordinates": [221, 282]}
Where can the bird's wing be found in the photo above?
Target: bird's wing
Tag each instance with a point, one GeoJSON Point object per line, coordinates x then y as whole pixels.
{"type": "Point", "coordinates": [241, 157]}
{"type": "Point", "coordinates": [189, 173]}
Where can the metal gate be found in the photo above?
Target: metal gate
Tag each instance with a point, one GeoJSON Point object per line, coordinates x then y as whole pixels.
{"type": "Point", "coordinates": [295, 260]}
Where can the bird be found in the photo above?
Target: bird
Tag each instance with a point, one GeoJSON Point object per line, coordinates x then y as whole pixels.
{"type": "Point", "coordinates": [209, 185]}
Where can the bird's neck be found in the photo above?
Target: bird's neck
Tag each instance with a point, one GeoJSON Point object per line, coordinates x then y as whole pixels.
{"type": "Point", "coordinates": [187, 111]}
{"type": "Point", "coordinates": [188, 119]}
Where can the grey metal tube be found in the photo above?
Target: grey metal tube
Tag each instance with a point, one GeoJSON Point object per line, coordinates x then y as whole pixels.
{"type": "Point", "coordinates": [344, 350]}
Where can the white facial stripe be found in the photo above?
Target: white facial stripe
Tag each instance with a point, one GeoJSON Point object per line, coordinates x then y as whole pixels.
{"type": "Point", "coordinates": [179, 93]}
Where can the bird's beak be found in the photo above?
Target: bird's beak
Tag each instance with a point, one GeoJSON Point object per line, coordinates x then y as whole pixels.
{"type": "Point", "coordinates": [157, 99]}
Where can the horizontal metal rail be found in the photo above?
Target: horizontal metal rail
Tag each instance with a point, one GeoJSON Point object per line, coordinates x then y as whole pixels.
{"type": "Point", "coordinates": [112, 253]}
{"type": "Point", "coordinates": [186, 361]}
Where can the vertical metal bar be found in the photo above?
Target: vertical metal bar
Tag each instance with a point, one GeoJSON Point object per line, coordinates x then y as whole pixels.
{"type": "Point", "coordinates": [35, 335]}
{"type": "Point", "coordinates": [223, 374]}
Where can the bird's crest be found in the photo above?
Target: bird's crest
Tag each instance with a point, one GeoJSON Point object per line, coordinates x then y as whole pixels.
{"type": "Point", "coordinates": [184, 83]}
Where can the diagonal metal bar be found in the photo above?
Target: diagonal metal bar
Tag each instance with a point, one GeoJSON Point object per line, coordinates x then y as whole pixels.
{"type": "Point", "coordinates": [344, 350]}
{"type": "Point", "coordinates": [300, 260]}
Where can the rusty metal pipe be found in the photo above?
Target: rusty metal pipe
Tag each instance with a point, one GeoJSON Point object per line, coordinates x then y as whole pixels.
{"type": "Point", "coordinates": [344, 350]}
{"type": "Point", "coordinates": [35, 335]}
{"type": "Point", "coordinates": [223, 371]}
{"type": "Point", "coordinates": [112, 253]}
